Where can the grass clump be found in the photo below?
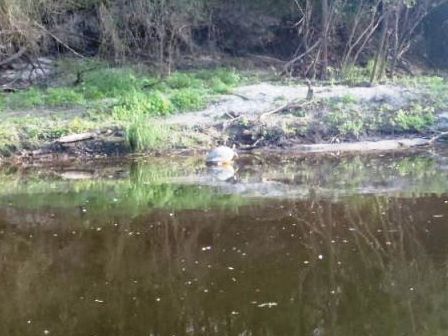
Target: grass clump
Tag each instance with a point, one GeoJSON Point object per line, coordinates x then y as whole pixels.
{"type": "Point", "coordinates": [143, 134]}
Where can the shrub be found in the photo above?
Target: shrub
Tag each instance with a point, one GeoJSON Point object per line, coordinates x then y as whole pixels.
{"type": "Point", "coordinates": [188, 99]}
{"type": "Point", "coordinates": [137, 104]}
{"type": "Point", "coordinates": [219, 87]}
{"type": "Point", "coordinates": [228, 76]}
{"type": "Point", "coordinates": [181, 80]}
{"type": "Point", "coordinates": [345, 122]}
{"type": "Point", "coordinates": [108, 82]}
{"type": "Point", "coordinates": [416, 118]}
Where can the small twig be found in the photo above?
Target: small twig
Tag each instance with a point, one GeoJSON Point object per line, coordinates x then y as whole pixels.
{"type": "Point", "coordinates": [239, 95]}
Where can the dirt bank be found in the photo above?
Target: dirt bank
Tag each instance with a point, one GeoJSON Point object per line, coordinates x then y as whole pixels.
{"type": "Point", "coordinates": [283, 116]}
{"type": "Point", "coordinates": [291, 116]}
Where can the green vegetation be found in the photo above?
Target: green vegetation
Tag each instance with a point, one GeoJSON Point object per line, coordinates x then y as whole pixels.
{"type": "Point", "coordinates": [125, 97]}
{"type": "Point", "coordinates": [184, 91]}
{"type": "Point", "coordinates": [348, 117]}
{"type": "Point", "coordinates": [416, 118]}
{"type": "Point", "coordinates": [351, 119]}
{"type": "Point", "coordinates": [188, 99]}
{"type": "Point", "coordinates": [144, 134]}
{"type": "Point", "coordinates": [353, 74]}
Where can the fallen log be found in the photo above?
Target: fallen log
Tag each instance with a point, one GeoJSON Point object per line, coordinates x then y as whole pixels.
{"type": "Point", "coordinates": [368, 146]}
{"type": "Point", "coordinates": [75, 138]}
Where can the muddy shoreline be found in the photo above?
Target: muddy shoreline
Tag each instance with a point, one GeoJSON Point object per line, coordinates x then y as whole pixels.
{"type": "Point", "coordinates": [114, 149]}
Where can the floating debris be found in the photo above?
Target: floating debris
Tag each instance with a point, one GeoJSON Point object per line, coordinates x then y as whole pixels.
{"type": "Point", "coordinates": [267, 305]}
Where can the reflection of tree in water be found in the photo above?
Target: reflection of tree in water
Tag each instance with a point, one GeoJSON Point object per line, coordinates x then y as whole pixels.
{"type": "Point", "coordinates": [364, 266]}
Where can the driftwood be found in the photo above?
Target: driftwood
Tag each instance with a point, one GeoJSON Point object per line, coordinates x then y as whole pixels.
{"type": "Point", "coordinates": [76, 138]}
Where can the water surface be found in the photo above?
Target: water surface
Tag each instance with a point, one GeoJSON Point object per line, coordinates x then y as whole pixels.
{"type": "Point", "coordinates": [354, 245]}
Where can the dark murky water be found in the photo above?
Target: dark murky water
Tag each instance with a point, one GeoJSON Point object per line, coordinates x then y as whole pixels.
{"type": "Point", "coordinates": [317, 246]}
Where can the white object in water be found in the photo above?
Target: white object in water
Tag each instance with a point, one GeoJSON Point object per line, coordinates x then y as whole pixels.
{"type": "Point", "coordinates": [221, 155]}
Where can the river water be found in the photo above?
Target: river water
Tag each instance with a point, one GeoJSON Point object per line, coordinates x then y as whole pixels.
{"type": "Point", "coordinates": [323, 245]}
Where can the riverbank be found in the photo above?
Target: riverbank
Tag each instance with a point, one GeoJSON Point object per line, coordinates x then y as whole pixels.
{"type": "Point", "coordinates": [92, 111]}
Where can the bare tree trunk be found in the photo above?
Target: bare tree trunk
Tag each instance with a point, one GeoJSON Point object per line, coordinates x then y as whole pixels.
{"type": "Point", "coordinates": [396, 37]}
{"type": "Point", "coordinates": [325, 29]}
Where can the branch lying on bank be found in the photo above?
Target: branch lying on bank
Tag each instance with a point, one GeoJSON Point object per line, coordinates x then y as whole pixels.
{"type": "Point", "coordinates": [438, 137]}
{"type": "Point", "coordinates": [286, 107]}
